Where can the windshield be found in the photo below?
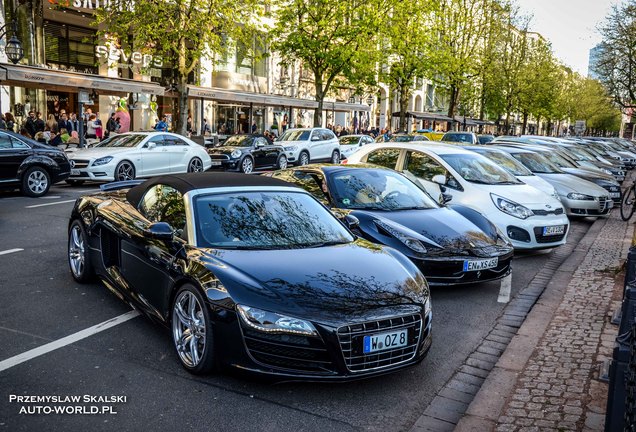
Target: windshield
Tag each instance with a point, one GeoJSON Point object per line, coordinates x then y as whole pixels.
{"type": "Point", "coordinates": [295, 135]}
{"type": "Point", "coordinates": [122, 141]}
{"type": "Point", "coordinates": [557, 159]}
{"type": "Point", "coordinates": [349, 140]}
{"type": "Point", "coordinates": [377, 189]}
{"type": "Point", "coordinates": [581, 154]}
{"type": "Point", "coordinates": [458, 137]}
{"type": "Point", "coordinates": [401, 138]}
{"type": "Point", "coordinates": [238, 141]}
{"type": "Point", "coordinates": [537, 163]}
{"type": "Point", "coordinates": [506, 161]}
{"type": "Point", "coordinates": [266, 220]}
{"type": "Point", "coordinates": [476, 168]}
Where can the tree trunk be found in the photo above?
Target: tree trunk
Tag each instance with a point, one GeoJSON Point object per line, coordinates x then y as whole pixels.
{"type": "Point", "coordinates": [454, 96]}
{"type": "Point", "coordinates": [525, 123]}
{"type": "Point", "coordinates": [182, 115]}
{"type": "Point", "coordinates": [404, 101]}
{"type": "Point", "coordinates": [320, 97]}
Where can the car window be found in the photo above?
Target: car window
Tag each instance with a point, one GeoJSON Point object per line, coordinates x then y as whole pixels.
{"type": "Point", "coordinates": [313, 183]}
{"type": "Point", "coordinates": [5, 142]}
{"type": "Point", "coordinates": [260, 141]}
{"type": "Point", "coordinates": [367, 140]}
{"type": "Point", "coordinates": [327, 135]}
{"type": "Point", "coordinates": [174, 141]}
{"type": "Point", "coordinates": [425, 167]}
{"type": "Point", "coordinates": [162, 203]}
{"type": "Point", "coordinates": [384, 157]}
{"type": "Point", "coordinates": [157, 139]}
{"type": "Point", "coordinates": [295, 135]}
{"type": "Point", "coordinates": [19, 144]}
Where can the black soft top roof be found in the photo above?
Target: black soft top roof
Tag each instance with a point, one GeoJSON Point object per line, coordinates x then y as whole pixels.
{"type": "Point", "coordinates": [191, 181]}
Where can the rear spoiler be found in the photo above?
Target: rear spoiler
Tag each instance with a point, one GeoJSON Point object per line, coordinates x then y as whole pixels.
{"type": "Point", "coordinates": [126, 184]}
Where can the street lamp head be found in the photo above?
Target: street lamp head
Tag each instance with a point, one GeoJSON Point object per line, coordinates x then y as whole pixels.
{"type": "Point", "coordinates": [370, 100]}
{"type": "Point", "coordinates": [14, 50]}
{"type": "Point", "coordinates": [352, 99]}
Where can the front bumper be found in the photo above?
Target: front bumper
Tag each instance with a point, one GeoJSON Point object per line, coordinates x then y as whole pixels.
{"type": "Point", "coordinates": [104, 172]}
{"type": "Point", "coordinates": [224, 164]}
{"type": "Point", "coordinates": [528, 233]}
{"type": "Point", "coordinates": [450, 270]}
{"type": "Point", "coordinates": [596, 207]}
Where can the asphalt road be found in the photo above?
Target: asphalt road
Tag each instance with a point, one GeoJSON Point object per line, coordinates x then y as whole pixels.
{"type": "Point", "coordinates": [41, 303]}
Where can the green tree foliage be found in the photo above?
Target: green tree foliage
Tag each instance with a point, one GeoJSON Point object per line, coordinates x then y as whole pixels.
{"type": "Point", "coordinates": [592, 102]}
{"type": "Point", "coordinates": [335, 39]}
{"type": "Point", "coordinates": [407, 39]}
{"type": "Point", "coordinates": [181, 30]}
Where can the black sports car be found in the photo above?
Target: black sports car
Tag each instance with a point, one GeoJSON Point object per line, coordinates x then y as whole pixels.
{"type": "Point", "coordinates": [253, 273]}
{"type": "Point", "coordinates": [450, 245]}
{"type": "Point", "coordinates": [29, 165]}
{"type": "Point", "coordinates": [247, 152]}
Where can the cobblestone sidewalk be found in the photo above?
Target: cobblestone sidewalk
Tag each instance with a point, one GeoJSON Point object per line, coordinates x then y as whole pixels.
{"type": "Point", "coordinates": [558, 389]}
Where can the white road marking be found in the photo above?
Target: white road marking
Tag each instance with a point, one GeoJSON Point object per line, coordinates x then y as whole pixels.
{"type": "Point", "coordinates": [8, 251]}
{"type": "Point", "coordinates": [51, 197]}
{"type": "Point", "coordinates": [48, 204]}
{"type": "Point", "coordinates": [70, 339]}
{"type": "Point", "coordinates": [504, 291]}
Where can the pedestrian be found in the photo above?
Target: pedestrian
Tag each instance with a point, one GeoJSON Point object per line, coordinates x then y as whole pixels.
{"type": "Point", "coordinates": [254, 127]}
{"type": "Point", "coordinates": [162, 126]}
{"type": "Point", "coordinates": [111, 125]}
{"type": "Point", "coordinates": [39, 123]}
{"type": "Point", "coordinates": [189, 125]}
{"type": "Point", "coordinates": [90, 127]}
{"type": "Point", "coordinates": [74, 123]}
{"type": "Point", "coordinates": [205, 129]}
{"type": "Point", "coordinates": [10, 120]}
{"type": "Point", "coordinates": [74, 139]}
{"type": "Point", "coordinates": [99, 130]}
{"type": "Point", "coordinates": [25, 133]}
{"type": "Point", "coordinates": [284, 122]}
{"type": "Point", "coordinates": [64, 122]}
{"type": "Point", "coordinates": [51, 123]}
{"type": "Point", "coordinates": [3, 123]}
{"type": "Point", "coordinates": [29, 125]}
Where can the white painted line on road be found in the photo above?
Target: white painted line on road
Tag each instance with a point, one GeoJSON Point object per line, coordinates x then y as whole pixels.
{"type": "Point", "coordinates": [70, 339]}
{"type": "Point", "coordinates": [504, 291]}
{"type": "Point", "coordinates": [51, 197]}
{"type": "Point", "coordinates": [8, 251]}
{"type": "Point", "coordinates": [48, 204]}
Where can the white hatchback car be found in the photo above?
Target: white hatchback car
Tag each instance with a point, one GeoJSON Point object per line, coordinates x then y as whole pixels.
{"type": "Point", "coordinates": [137, 154]}
{"type": "Point", "coordinates": [531, 219]}
{"type": "Point", "coordinates": [303, 146]}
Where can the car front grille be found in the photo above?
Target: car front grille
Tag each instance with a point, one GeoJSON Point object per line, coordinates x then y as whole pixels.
{"type": "Point", "coordinates": [80, 163]}
{"type": "Point", "coordinates": [298, 353]}
{"type": "Point", "coordinates": [351, 343]}
{"type": "Point", "coordinates": [219, 157]}
{"type": "Point", "coordinates": [604, 203]}
{"type": "Point", "coordinates": [538, 234]}
{"type": "Point", "coordinates": [548, 212]}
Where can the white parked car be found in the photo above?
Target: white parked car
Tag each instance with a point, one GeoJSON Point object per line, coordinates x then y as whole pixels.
{"type": "Point", "coordinates": [137, 154]}
{"type": "Point", "coordinates": [303, 146]}
{"type": "Point", "coordinates": [350, 143]}
{"type": "Point", "coordinates": [530, 218]}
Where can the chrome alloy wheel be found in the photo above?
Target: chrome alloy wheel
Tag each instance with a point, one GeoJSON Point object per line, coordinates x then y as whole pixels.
{"type": "Point", "coordinates": [76, 251]}
{"type": "Point", "coordinates": [37, 182]}
{"type": "Point", "coordinates": [195, 165]}
{"type": "Point", "coordinates": [188, 328]}
{"type": "Point", "coordinates": [247, 166]}
{"type": "Point", "coordinates": [125, 171]}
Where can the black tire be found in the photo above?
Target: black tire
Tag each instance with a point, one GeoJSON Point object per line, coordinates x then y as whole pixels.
{"type": "Point", "coordinates": [36, 182]}
{"type": "Point", "coordinates": [195, 165]}
{"type": "Point", "coordinates": [79, 260]}
{"type": "Point", "coordinates": [184, 324]}
{"type": "Point", "coordinates": [627, 204]}
{"type": "Point", "coordinates": [303, 158]}
{"type": "Point", "coordinates": [75, 182]}
{"type": "Point", "coordinates": [282, 162]}
{"type": "Point", "coordinates": [335, 157]}
{"type": "Point", "coordinates": [125, 170]}
{"type": "Point", "coordinates": [247, 165]}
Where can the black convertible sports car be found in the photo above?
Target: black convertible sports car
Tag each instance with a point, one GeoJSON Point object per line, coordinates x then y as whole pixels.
{"type": "Point", "coordinates": [253, 273]}
{"type": "Point", "coordinates": [450, 245]}
{"type": "Point", "coordinates": [246, 153]}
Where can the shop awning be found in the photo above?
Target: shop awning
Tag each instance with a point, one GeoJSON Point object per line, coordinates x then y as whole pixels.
{"type": "Point", "coordinates": [421, 115]}
{"type": "Point", "coordinates": [50, 79]}
{"type": "Point", "coordinates": [466, 121]}
{"type": "Point", "coordinates": [224, 95]}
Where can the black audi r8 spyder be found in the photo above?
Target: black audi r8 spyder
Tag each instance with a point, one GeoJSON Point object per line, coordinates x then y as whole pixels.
{"type": "Point", "coordinates": [253, 273]}
{"type": "Point", "coordinates": [450, 245]}
{"type": "Point", "coordinates": [247, 152]}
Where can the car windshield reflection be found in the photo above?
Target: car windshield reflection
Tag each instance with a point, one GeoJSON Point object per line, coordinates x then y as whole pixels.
{"type": "Point", "coordinates": [478, 169]}
{"type": "Point", "coordinates": [237, 141]}
{"type": "Point", "coordinates": [122, 141]}
{"type": "Point", "coordinates": [537, 163]}
{"type": "Point", "coordinates": [266, 220]}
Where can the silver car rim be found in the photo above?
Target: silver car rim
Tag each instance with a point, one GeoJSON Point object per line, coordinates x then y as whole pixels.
{"type": "Point", "coordinates": [76, 251]}
{"type": "Point", "coordinates": [125, 172]}
{"type": "Point", "coordinates": [304, 159]}
{"type": "Point", "coordinates": [335, 158]}
{"type": "Point", "coordinates": [282, 163]}
{"type": "Point", "coordinates": [195, 165]}
{"type": "Point", "coordinates": [247, 165]}
{"type": "Point", "coordinates": [188, 328]}
{"type": "Point", "coordinates": [37, 182]}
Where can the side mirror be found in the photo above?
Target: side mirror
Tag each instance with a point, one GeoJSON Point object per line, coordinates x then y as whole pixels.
{"type": "Point", "coordinates": [159, 231]}
{"type": "Point", "coordinates": [446, 198]}
{"type": "Point", "coordinates": [315, 138]}
{"type": "Point", "coordinates": [151, 145]}
{"type": "Point", "coordinates": [351, 222]}
{"type": "Point", "coordinates": [439, 179]}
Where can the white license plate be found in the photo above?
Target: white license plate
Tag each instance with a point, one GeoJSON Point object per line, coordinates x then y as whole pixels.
{"type": "Point", "coordinates": [476, 265]}
{"type": "Point", "coordinates": [75, 172]}
{"type": "Point", "coordinates": [615, 194]}
{"type": "Point", "coordinates": [385, 341]}
{"type": "Point", "coordinates": [553, 230]}
{"type": "Point", "coordinates": [216, 163]}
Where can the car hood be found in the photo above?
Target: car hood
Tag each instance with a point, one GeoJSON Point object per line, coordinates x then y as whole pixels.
{"type": "Point", "coordinates": [439, 227]}
{"type": "Point", "coordinates": [322, 284]}
{"type": "Point", "coordinates": [226, 149]}
{"type": "Point", "coordinates": [566, 183]}
{"type": "Point", "coordinates": [97, 152]}
{"type": "Point", "coordinates": [589, 174]}
{"type": "Point", "coordinates": [523, 194]}
{"type": "Point", "coordinates": [538, 183]}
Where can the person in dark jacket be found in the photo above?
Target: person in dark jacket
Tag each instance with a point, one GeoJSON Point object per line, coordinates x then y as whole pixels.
{"type": "Point", "coordinates": [64, 123]}
{"type": "Point", "coordinates": [111, 125]}
{"type": "Point", "coordinates": [30, 124]}
{"type": "Point", "coordinates": [39, 123]}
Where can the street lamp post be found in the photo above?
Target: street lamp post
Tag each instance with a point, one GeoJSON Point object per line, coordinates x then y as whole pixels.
{"type": "Point", "coordinates": [13, 48]}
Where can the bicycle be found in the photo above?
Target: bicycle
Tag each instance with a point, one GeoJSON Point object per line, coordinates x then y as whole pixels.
{"type": "Point", "coordinates": [628, 201]}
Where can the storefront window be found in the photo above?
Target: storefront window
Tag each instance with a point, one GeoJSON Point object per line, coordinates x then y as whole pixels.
{"type": "Point", "coordinates": [69, 48]}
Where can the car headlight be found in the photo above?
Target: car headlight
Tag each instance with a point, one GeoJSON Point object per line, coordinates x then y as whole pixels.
{"type": "Point", "coordinates": [427, 306]}
{"type": "Point", "coordinates": [102, 161]}
{"type": "Point", "coordinates": [291, 148]}
{"type": "Point", "coordinates": [271, 322]}
{"type": "Point", "coordinates": [606, 171]}
{"type": "Point", "coordinates": [410, 242]}
{"type": "Point", "coordinates": [580, 196]}
{"type": "Point", "coordinates": [511, 207]}
{"type": "Point", "coordinates": [235, 154]}
{"type": "Point", "coordinates": [556, 196]}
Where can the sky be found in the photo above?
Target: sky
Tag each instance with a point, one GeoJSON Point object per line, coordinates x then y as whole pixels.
{"type": "Point", "coordinates": [570, 25]}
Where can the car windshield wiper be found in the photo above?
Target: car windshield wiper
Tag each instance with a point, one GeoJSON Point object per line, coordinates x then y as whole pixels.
{"type": "Point", "coordinates": [323, 244]}
{"type": "Point", "coordinates": [411, 208]}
